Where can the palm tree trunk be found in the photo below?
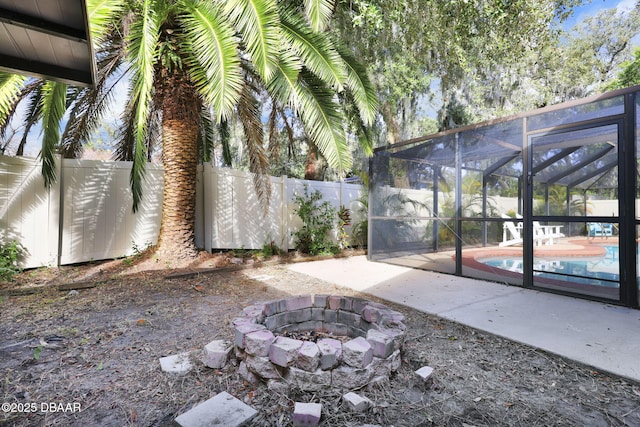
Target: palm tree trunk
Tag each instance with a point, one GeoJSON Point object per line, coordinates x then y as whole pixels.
{"type": "Point", "coordinates": [176, 241]}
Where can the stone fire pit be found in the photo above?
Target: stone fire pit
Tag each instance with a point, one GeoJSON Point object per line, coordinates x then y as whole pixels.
{"type": "Point", "coordinates": [338, 341]}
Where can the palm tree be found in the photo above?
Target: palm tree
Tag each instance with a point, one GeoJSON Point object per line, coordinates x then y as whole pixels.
{"type": "Point", "coordinates": [194, 62]}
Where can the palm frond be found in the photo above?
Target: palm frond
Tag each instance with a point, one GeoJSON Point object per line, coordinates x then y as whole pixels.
{"type": "Point", "coordinates": [323, 121]}
{"type": "Point", "coordinates": [284, 83]}
{"type": "Point", "coordinates": [274, 135]}
{"type": "Point", "coordinates": [291, 152]}
{"type": "Point", "coordinates": [53, 109]}
{"type": "Point", "coordinates": [143, 40]}
{"type": "Point", "coordinates": [356, 125]}
{"type": "Point", "coordinates": [364, 94]}
{"type": "Point", "coordinates": [89, 107]}
{"type": "Point", "coordinates": [32, 94]}
{"type": "Point", "coordinates": [225, 141]}
{"type": "Point", "coordinates": [316, 50]}
{"type": "Point", "coordinates": [205, 135]}
{"type": "Point", "coordinates": [10, 85]}
{"type": "Point", "coordinates": [125, 138]}
{"type": "Point", "coordinates": [214, 62]}
{"type": "Point", "coordinates": [249, 115]}
{"type": "Point", "coordinates": [101, 14]}
{"type": "Point", "coordinates": [318, 13]}
{"type": "Point", "coordinates": [258, 22]}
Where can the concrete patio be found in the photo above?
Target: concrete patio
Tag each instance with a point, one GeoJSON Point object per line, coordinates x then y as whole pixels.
{"type": "Point", "coordinates": [604, 336]}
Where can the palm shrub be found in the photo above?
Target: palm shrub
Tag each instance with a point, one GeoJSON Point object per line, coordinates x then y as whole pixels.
{"type": "Point", "coordinates": [10, 254]}
{"type": "Point", "coordinates": [318, 218]}
{"type": "Point", "coordinates": [344, 219]}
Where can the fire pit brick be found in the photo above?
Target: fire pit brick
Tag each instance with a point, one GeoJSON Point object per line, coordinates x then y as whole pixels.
{"type": "Point", "coordinates": [330, 353]}
{"type": "Point", "coordinates": [357, 353]}
{"type": "Point", "coordinates": [311, 381]}
{"type": "Point", "coordinates": [381, 343]}
{"type": "Point", "coordinates": [244, 329]}
{"type": "Point", "coordinates": [284, 351]}
{"type": "Point", "coordinates": [320, 301]}
{"type": "Point", "coordinates": [376, 335]}
{"type": "Point", "coordinates": [263, 367]}
{"type": "Point", "coordinates": [300, 302]}
{"type": "Point", "coordinates": [257, 343]}
{"type": "Point", "coordinates": [299, 316]}
{"type": "Point", "coordinates": [308, 356]}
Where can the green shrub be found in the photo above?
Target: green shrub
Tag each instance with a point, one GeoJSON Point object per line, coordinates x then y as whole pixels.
{"type": "Point", "coordinates": [270, 249]}
{"type": "Point", "coordinates": [11, 252]}
{"type": "Point", "coordinates": [318, 218]}
{"type": "Point", "coordinates": [344, 219]}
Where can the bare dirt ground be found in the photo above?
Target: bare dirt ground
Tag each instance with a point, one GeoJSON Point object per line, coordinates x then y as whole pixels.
{"type": "Point", "coordinates": [97, 350]}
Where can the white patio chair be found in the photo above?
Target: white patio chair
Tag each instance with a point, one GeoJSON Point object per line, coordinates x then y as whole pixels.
{"type": "Point", "coordinates": [510, 228]}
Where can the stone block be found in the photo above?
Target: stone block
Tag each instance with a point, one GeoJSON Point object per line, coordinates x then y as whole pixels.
{"type": "Point", "coordinates": [176, 364]}
{"type": "Point", "coordinates": [244, 329]}
{"type": "Point", "coordinates": [396, 333]}
{"type": "Point", "coordinates": [372, 314]}
{"type": "Point", "coordinates": [330, 316]}
{"type": "Point", "coordinates": [358, 305]}
{"type": "Point", "coordinates": [356, 403]}
{"type": "Point", "coordinates": [221, 410]}
{"type": "Point", "coordinates": [381, 343]}
{"type": "Point", "coordinates": [270, 307]}
{"type": "Point", "coordinates": [308, 356]}
{"type": "Point", "coordinates": [306, 414]}
{"type": "Point", "coordinates": [349, 319]}
{"type": "Point", "coordinates": [357, 353]}
{"type": "Point", "coordinates": [262, 367]}
{"type": "Point", "coordinates": [284, 351]}
{"type": "Point", "coordinates": [299, 302]}
{"type": "Point", "coordinates": [276, 321]}
{"type": "Point", "coordinates": [216, 354]}
{"type": "Point", "coordinates": [299, 316]}
{"type": "Point", "coordinates": [349, 378]}
{"type": "Point", "coordinates": [257, 343]}
{"type": "Point", "coordinates": [320, 301]}
{"type": "Point", "coordinates": [245, 372]}
{"type": "Point", "coordinates": [309, 381]}
{"type": "Point", "coordinates": [330, 353]}
{"type": "Point", "coordinates": [333, 302]}
{"type": "Point", "coordinates": [317, 314]}
{"type": "Point", "coordinates": [346, 303]}
{"type": "Point", "coordinates": [425, 372]}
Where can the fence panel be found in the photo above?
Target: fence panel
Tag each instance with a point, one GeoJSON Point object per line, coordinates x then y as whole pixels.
{"type": "Point", "coordinates": [233, 216]}
{"type": "Point", "coordinates": [97, 220]}
{"type": "Point", "coordinates": [28, 211]}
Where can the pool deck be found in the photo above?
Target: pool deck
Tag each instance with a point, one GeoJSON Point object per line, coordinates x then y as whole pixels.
{"type": "Point", "coordinates": [603, 336]}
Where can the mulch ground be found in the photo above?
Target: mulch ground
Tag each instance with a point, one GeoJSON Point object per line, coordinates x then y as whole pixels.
{"type": "Point", "coordinates": [97, 349]}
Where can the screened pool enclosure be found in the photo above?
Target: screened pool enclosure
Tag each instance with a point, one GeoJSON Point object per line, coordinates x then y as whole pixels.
{"type": "Point", "coordinates": [546, 200]}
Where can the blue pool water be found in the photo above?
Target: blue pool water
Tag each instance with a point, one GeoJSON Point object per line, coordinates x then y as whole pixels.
{"type": "Point", "coordinates": [601, 271]}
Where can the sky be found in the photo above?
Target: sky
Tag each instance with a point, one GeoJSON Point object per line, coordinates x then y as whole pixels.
{"type": "Point", "coordinates": [593, 7]}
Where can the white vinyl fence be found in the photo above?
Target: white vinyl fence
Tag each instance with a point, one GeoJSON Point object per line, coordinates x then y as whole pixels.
{"type": "Point", "coordinates": [86, 215]}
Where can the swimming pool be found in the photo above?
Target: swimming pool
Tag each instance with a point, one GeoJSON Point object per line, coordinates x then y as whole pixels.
{"type": "Point", "coordinates": [600, 271]}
